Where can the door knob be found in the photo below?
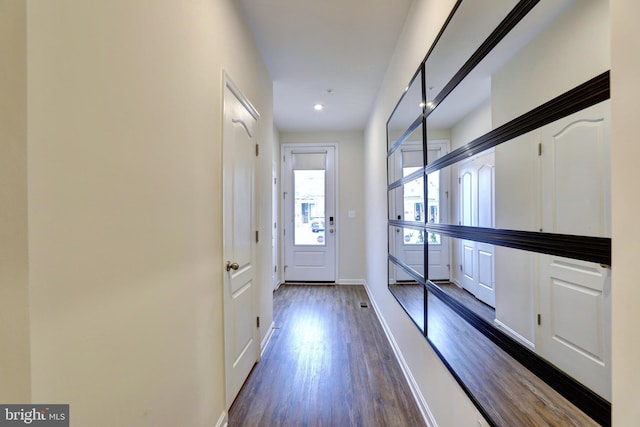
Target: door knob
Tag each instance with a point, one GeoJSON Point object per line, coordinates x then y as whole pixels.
{"type": "Point", "coordinates": [232, 266]}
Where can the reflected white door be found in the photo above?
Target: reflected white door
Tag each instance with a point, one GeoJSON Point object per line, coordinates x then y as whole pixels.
{"type": "Point", "coordinates": [310, 220]}
{"type": "Point", "coordinates": [409, 206]}
{"type": "Point", "coordinates": [476, 178]}
{"type": "Point", "coordinates": [437, 211]}
{"type": "Point", "coordinates": [575, 296]}
{"type": "Point", "coordinates": [240, 329]}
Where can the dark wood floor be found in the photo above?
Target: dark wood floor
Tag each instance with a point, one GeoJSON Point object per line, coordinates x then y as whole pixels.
{"type": "Point", "coordinates": [328, 364]}
{"type": "Point", "coordinates": [508, 392]}
{"type": "Point", "coordinates": [481, 309]}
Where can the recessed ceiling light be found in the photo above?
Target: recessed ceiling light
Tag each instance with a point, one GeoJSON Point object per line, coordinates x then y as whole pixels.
{"type": "Point", "coordinates": [318, 107]}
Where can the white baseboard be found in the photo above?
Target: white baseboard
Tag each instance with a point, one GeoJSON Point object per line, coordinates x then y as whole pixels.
{"type": "Point", "coordinates": [223, 420]}
{"type": "Point", "coordinates": [350, 282]}
{"type": "Point", "coordinates": [413, 385]}
{"type": "Point", "coordinates": [267, 339]}
{"type": "Point", "coordinates": [522, 340]}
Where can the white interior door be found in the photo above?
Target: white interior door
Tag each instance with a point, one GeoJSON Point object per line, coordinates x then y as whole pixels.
{"type": "Point", "coordinates": [476, 178]}
{"type": "Point", "coordinates": [309, 200]}
{"type": "Point", "coordinates": [575, 296]}
{"type": "Point", "coordinates": [240, 329]}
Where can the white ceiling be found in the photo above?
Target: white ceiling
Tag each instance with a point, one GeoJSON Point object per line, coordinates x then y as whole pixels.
{"type": "Point", "coordinates": [311, 47]}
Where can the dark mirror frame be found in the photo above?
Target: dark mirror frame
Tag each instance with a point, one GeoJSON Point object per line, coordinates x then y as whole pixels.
{"type": "Point", "coordinates": [587, 248]}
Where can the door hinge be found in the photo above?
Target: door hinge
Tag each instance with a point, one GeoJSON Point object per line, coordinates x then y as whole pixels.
{"type": "Point", "coordinates": [257, 236]}
{"type": "Point", "coordinates": [459, 180]}
{"type": "Point", "coordinates": [460, 267]}
{"type": "Point", "coordinates": [275, 181]}
{"type": "Point", "coordinates": [275, 268]}
{"type": "Point", "coordinates": [539, 320]}
{"type": "Point", "coordinates": [539, 149]}
{"type": "Point", "coordinates": [285, 268]}
{"type": "Point", "coordinates": [257, 150]}
{"type": "Point", "coordinates": [449, 267]}
{"type": "Point", "coordinates": [284, 195]}
{"type": "Point", "coordinates": [258, 322]}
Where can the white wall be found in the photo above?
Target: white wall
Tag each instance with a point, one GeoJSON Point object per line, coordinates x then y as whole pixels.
{"type": "Point", "coordinates": [14, 285]}
{"type": "Point", "coordinates": [572, 50]}
{"type": "Point", "coordinates": [625, 92]}
{"type": "Point", "coordinates": [446, 400]}
{"type": "Point", "coordinates": [125, 204]}
{"type": "Point", "coordinates": [350, 187]}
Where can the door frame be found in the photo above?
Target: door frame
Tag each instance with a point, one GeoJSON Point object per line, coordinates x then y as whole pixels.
{"type": "Point", "coordinates": [283, 206]}
{"type": "Point", "coordinates": [226, 277]}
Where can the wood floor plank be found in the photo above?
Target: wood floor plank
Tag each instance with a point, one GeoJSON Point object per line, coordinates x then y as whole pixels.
{"type": "Point", "coordinates": [329, 364]}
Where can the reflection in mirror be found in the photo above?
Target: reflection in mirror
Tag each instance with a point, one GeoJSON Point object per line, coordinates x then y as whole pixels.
{"type": "Point", "coordinates": [468, 28]}
{"type": "Point", "coordinates": [408, 292]}
{"type": "Point", "coordinates": [407, 111]}
{"type": "Point", "coordinates": [554, 179]}
{"type": "Point", "coordinates": [569, 36]}
{"type": "Point", "coordinates": [406, 203]}
{"type": "Point", "coordinates": [492, 376]}
{"type": "Point", "coordinates": [508, 288]}
{"type": "Point", "coordinates": [407, 158]}
{"type": "Point", "coordinates": [406, 244]}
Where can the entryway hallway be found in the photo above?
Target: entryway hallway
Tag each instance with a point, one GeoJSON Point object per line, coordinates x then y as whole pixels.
{"type": "Point", "coordinates": [328, 364]}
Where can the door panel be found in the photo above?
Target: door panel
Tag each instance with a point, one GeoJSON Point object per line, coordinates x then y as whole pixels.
{"type": "Point", "coordinates": [574, 333]}
{"type": "Point", "coordinates": [469, 281]}
{"type": "Point", "coordinates": [486, 281]}
{"type": "Point", "coordinates": [241, 333]}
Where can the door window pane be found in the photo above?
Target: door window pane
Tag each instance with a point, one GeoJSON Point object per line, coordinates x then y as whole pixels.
{"type": "Point", "coordinates": [309, 188]}
{"type": "Point", "coordinates": [413, 206]}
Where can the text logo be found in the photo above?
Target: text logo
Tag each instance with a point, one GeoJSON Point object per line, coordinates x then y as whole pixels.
{"type": "Point", "coordinates": [34, 415]}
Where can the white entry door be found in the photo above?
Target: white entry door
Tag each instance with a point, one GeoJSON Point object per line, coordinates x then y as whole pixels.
{"type": "Point", "coordinates": [409, 205]}
{"type": "Point", "coordinates": [239, 152]}
{"type": "Point", "coordinates": [477, 204]}
{"type": "Point", "coordinates": [437, 212]}
{"type": "Point", "coordinates": [310, 220]}
{"type": "Point", "coordinates": [575, 296]}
